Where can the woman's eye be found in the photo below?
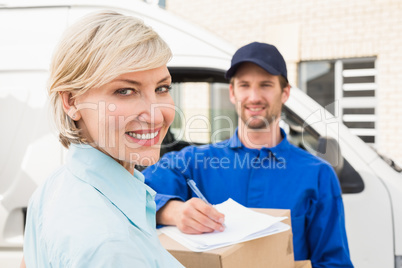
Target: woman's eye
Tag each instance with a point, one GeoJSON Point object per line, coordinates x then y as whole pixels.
{"type": "Point", "coordinates": [125, 91]}
{"type": "Point", "coordinates": [163, 89]}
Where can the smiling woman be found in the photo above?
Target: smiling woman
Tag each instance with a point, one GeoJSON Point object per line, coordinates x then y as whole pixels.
{"type": "Point", "coordinates": [109, 86]}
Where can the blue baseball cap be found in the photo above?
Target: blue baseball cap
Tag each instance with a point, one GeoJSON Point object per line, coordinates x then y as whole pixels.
{"type": "Point", "coordinates": [264, 55]}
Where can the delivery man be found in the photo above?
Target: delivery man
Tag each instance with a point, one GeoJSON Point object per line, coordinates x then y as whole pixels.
{"type": "Point", "coordinates": [257, 167]}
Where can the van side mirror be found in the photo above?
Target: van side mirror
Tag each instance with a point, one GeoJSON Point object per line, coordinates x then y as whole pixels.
{"type": "Point", "coordinates": [329, 150]}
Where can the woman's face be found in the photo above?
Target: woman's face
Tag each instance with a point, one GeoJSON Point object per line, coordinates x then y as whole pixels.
{"type": "Point", "coordinates": [128, 117]}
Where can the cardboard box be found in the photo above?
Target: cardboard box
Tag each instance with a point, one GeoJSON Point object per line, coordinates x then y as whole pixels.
{"type": "Point", "coordinates": [269, 252]}
{"type": "Point", "coordinates": [303, 264]}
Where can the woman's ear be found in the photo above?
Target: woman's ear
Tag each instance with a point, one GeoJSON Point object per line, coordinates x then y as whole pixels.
{"type": "Point", "coordinates": [69, 105]}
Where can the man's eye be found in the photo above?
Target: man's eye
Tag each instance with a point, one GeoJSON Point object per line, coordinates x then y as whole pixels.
{"type": "Point", "coordinates": [163, 89]}
{"type": "Point", "coordinates": [267, 85]}
{"type": "Point", "coordinates": [125, 91]}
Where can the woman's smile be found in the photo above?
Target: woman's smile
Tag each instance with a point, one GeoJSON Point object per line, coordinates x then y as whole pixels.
{"type": "Point", "coordinates": [144, 137]}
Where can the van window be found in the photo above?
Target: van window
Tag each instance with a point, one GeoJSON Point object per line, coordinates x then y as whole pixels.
{"type": "Point", "coordinates": [204, 112]}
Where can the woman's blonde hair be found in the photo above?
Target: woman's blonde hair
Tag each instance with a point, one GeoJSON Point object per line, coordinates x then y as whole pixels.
{"type": "Point", "coordinates": [93, 52]}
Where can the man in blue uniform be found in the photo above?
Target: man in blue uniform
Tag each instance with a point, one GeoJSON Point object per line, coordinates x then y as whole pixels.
{"type": "Point", "coordinates": [257, 167]}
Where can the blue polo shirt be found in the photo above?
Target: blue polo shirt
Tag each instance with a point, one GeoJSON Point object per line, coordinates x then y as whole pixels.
{"type": "Point", "coordinates": [282, 177]}
{"type": "Point", "coordinates": [93, 213]}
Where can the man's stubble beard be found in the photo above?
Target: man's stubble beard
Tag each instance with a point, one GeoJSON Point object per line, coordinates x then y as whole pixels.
{"type": "Point", "coordinates": [260, 122]}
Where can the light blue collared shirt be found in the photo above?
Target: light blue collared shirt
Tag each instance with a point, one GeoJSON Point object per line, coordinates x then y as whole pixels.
{"type": "Point", "coordinates": [93, 213]}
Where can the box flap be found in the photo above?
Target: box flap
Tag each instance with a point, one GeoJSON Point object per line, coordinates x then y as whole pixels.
{"type": "Point", "coordinates": [303, 264]}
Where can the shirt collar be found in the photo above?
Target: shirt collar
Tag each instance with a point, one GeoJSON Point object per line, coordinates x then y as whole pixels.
{"type": "Point", "coordinates": [234, 141]}
{"type": "Point", "coordinates": [127, 192]}
{"type": "Point", "coordinates": [279, 151]}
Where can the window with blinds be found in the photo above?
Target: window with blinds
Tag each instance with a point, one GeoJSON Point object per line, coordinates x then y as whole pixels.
{"type": "Point", "coordinates": [347, 89]}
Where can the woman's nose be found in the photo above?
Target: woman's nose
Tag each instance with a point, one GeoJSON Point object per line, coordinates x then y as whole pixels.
{"type": "Point", "coordinates": [150, 112]}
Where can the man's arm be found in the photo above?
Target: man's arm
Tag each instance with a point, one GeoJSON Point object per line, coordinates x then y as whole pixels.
{"type": "Point", "coordinates": [192, 217]}
{"type": "Point", "coordinates": [326, 231]}
{"type": "Point", "coordinates": [174, 206]}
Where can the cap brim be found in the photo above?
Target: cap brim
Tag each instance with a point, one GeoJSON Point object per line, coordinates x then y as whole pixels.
{"type": "Point", "coordinates": [232, 70]}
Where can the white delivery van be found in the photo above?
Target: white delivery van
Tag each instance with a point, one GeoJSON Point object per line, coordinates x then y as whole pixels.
{"type": "Point", "coordinates": [29, 31]}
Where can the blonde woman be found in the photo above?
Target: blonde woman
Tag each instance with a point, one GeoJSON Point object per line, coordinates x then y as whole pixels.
{"type": "Point", "coordinates": [109, 87]}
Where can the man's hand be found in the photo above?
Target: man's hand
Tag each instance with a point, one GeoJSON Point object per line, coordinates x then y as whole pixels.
{"type": "Point", "coordinates": [191, 217]}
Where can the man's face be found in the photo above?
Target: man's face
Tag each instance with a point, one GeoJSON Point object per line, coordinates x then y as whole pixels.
{"type": "Point", "coordinates": [257, 96]}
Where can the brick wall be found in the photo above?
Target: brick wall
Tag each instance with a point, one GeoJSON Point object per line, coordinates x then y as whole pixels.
{"type": "Point", "coordinates": [314, 30]}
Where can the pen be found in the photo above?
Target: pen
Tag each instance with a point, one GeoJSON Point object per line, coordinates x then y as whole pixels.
{"type": "Point", "coordinates": [197, 191]}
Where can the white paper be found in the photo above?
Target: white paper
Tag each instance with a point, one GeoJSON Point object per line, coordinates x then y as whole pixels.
{"type": "Point", "coordinates": [242, 224]}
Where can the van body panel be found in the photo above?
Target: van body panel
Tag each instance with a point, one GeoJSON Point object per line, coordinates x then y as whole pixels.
{"type": "Point", "coordinates": [29, 43]}
{"type": "Point", "coordinates": [393, 183]}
